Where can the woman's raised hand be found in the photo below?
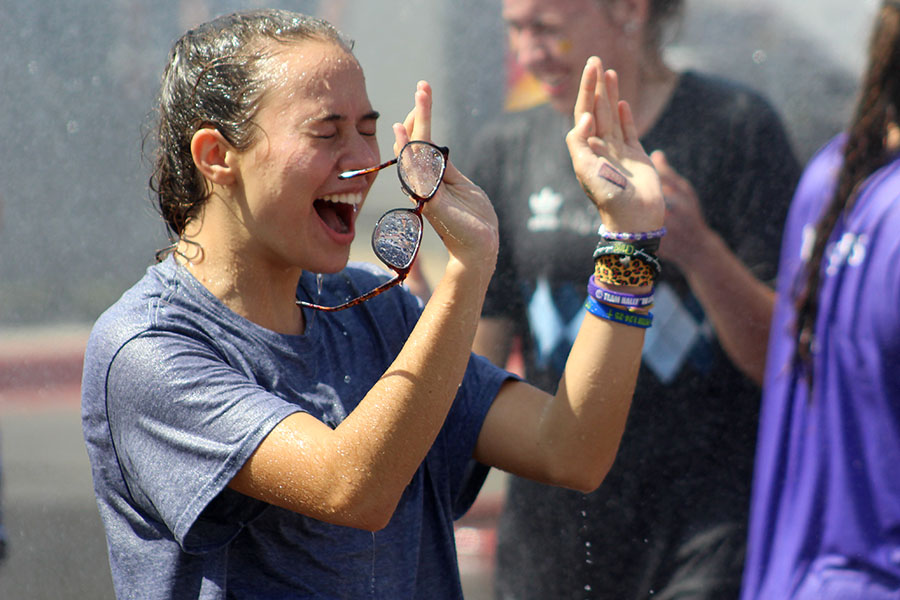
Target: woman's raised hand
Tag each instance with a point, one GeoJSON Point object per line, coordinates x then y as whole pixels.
{"type": "Point", "coordinates": [460, 212]}
{"type": "Point", "coordinates": [608, 158]}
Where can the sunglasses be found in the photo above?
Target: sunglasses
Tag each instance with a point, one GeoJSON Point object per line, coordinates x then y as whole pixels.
{"type": "Point", "coordinates": [398, 233]}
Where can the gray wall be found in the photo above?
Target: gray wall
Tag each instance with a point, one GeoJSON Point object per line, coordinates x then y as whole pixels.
{"type": "Point", "coordinates": [78, 78]}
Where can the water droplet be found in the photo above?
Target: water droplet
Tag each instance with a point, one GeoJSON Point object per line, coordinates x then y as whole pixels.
{"type": "Point", "coordinates": [372, 587]}
{"type": "Point", "coordinates": [760, 56]}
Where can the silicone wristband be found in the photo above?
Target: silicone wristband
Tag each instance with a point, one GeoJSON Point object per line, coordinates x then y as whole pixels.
{"type": "Point", "coordinates": [630, 301]}
{"type": "Point", "coordinates": [618, 315]}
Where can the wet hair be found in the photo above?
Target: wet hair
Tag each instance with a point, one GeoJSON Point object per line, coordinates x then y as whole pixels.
{"type": "Point", "coordinates": [215, 77]}
{"type": "Point", "coordinates": [865, 151]}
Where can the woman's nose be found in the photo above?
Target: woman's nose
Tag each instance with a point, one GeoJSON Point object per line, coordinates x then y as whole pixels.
{"type": "Point", "coordinates": [362, 154]}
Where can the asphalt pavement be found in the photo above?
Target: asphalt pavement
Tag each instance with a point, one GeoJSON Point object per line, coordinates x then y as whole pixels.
{"type": "Point", "coordinates": [56, 545]}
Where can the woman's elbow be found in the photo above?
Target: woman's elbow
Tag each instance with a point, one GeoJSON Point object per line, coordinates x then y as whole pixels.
{"type": "Point", "coordinates": [582, 476]}
{"type": "Point", "coordinates": [368, 512]}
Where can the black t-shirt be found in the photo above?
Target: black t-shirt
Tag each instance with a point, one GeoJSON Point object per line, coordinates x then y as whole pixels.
{"type": "Point", "coordinates": [685, 461]}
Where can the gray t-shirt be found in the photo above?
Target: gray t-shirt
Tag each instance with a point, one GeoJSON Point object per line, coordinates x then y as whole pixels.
{"type": "Point", "coordinates": [178, 391]}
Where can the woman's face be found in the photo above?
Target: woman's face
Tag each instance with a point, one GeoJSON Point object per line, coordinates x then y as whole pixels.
{"type": "Point", "coordinates": [553, 39]}
{"type": "Point", "coordinates": [314, 122]}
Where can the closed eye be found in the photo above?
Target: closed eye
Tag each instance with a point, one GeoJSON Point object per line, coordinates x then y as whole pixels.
{"type": "Point", "coordinates": [366, 125]}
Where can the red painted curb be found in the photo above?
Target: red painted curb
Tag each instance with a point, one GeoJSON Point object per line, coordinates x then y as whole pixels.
{"type": "Point", "coordinates": [41, 364]}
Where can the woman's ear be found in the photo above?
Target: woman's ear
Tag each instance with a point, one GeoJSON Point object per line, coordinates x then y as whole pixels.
{"type": "Point", "coordinates": [210, 149]}
{"type": "Point", "coordinates": [630, 15]}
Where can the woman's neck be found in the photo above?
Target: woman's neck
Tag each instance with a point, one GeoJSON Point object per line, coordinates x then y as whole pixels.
{"type": "Point", "coordinates": [265, 296]}
{"type": "Point", "coordinates": [655, 84]}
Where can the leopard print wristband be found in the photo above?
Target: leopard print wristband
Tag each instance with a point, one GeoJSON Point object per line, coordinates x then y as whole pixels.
{"type": "Point", "coordinates": [625, 270]}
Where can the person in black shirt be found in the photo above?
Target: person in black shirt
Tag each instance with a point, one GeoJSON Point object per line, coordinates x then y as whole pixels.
{"type": "Point", "coordinates": [671, 516]}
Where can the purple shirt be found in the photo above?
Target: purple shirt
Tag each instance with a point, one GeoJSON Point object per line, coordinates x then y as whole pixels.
{"type": "Point", "coordinates": [825, 514]}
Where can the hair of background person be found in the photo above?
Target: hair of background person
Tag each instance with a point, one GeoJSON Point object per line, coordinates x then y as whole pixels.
{"type": "Point", "coordinates": [213, 77]}
{"type": "Point", "coordinates": [865, 152]}
{"type": "Point", "coordinates": [662, 13]}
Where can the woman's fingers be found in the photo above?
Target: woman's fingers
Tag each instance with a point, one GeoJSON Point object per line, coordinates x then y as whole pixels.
{"type": "Point", "coordinates": [421, 129]}
{"type": "Point", "coordinates": [606, 124]}
{"type": "Point", "coordinates": [401, 136]}
{"type": "Point", "coordinates": [629, 129]}
{"type": "Point", "coordinates": [611, 107]}
{"type": "Point", "coordinates": [598, 95]}
{"type": "Point", "coordinates": [587, 89]}
{"type": "Point", "coordinates": [418, 121]}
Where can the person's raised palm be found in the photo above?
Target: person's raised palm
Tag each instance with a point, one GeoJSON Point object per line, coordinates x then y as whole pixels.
{"type": "Point", "coordinates": [608, 158]}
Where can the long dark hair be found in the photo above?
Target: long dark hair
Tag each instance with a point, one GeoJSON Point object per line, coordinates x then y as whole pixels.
{"type": "Point", "coordinates": [213, 78]}
{"type": "Point", "coordinates": [865, 152]}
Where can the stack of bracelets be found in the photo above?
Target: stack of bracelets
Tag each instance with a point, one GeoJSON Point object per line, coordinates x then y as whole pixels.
{"type": "Point", "coordinates": [628, 260]}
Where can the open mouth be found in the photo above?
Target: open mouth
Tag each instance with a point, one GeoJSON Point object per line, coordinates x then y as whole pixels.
{"type": "Point", "coordinates": [338, 211]}
{"type": "Point", "coordinates": [553, 84]}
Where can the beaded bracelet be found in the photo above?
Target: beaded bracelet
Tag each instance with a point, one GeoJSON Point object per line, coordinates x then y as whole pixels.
{"type": "Point", "coordinates": [627, 237]}
{"type": "Point", "coordinates": [618, 315]}
{"type": "Point", "coordinates": [628, 301]}
{"type": "Point", "coordinates": [616, 270]}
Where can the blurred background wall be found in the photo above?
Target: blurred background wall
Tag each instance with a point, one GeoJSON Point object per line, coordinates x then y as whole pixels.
{"type": "Point", "coordinates": [77, 79]}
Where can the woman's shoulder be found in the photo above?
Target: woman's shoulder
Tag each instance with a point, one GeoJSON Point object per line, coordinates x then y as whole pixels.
{"type": "Point", "coordinates": [722, 93]}
{"type": "Point", "coordinates": [161, 300]}
{"type": "Point", "coordinates": [127, 309]}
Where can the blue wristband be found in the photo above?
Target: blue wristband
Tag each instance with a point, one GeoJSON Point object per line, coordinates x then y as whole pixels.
{"type": "Point", "coordinates": [616, 315]}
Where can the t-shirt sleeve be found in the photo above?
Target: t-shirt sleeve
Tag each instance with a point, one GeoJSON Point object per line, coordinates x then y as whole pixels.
{"type": "Point", "coordinates": [183, 423]}
{"type": "Point", "coordinates": [480, 386]}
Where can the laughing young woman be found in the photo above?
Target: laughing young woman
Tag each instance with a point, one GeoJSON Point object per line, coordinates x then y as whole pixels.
{"type": "Point", "coordinates": [246, 439]}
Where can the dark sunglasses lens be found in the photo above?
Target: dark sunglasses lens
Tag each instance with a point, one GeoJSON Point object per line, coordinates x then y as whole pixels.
{"type": "Point", "coordinates": [421, 167]}
{"type": "Point", "coordinates": [396, 237]}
